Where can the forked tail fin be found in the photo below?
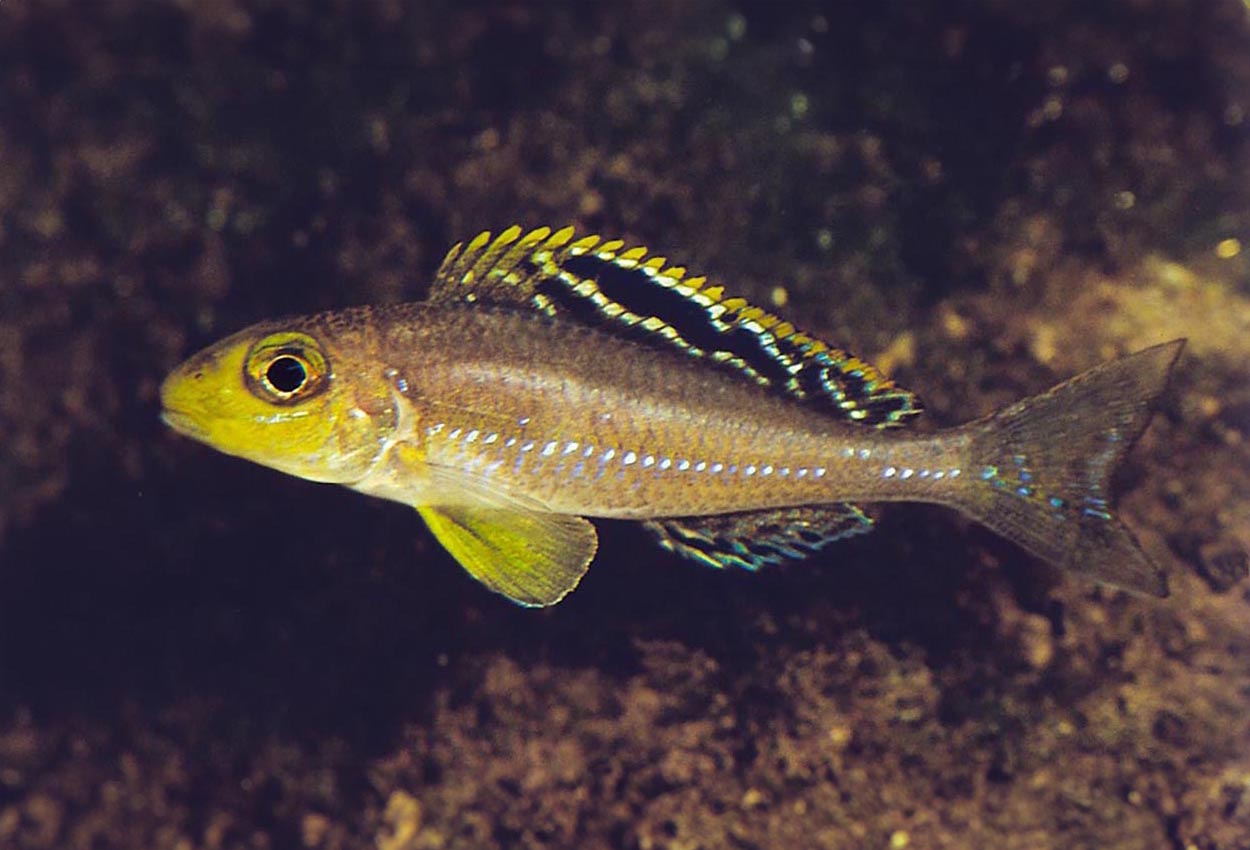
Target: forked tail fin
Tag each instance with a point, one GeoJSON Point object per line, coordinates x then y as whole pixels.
{"type": "Point", "coordinates": [1039, 469]}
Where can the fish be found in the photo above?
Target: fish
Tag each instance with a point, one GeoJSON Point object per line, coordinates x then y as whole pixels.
{"type": "Point", "coordinates": [549, 380]}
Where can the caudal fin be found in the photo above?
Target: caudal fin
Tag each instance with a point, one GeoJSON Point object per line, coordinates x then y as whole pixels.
{"type": "Point", "coordinates": [1040, 468]}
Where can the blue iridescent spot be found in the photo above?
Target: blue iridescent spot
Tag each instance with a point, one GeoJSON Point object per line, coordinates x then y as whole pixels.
{"type": "Point", "coordinates": [1056, 502]}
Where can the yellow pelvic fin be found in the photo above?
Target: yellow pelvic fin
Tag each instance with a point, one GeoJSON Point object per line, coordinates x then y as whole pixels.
{"type": "Point", "coordinates": [531, 557]}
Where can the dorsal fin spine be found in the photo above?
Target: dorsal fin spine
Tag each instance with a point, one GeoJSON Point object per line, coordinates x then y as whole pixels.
{"type": "Point", "coordinates": [486, 261]}
{"type": "Point", "coordinates": [581, 246]}
{"type": "Point", "coordinates": [449, 260]}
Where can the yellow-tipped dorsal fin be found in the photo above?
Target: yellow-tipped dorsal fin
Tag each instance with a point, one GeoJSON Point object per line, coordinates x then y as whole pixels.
{"type": "Point", "coordinates": [622, 290]}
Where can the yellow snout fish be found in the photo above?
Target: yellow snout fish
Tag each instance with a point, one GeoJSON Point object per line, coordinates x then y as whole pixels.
{"type": "Point", "coordinates": [550, 378]}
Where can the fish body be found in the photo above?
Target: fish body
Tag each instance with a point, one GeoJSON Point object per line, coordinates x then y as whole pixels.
{"type": "Point", "coordinates": [588, 424]}
{"type": "Point", "coordinates": [542, 385]}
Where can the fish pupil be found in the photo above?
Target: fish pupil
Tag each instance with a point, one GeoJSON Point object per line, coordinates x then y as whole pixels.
{"type": "Point", "coordinates": [286, 374]}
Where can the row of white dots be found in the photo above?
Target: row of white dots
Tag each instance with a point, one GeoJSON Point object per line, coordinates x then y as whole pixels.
{"type": "Point", "coordinates": [628, 457]}
{"type": "Point", "coordinates": [902, 473]}
{"type": "Point", "coordinates": [907, 472]}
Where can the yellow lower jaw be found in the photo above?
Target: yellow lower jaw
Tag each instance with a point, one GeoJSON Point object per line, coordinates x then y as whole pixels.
{"type": "Point", "coordinates": [183, 424]}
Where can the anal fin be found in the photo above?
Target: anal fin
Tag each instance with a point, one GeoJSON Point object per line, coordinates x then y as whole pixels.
{"type": "Point", "coordinates": [532, 557]}
{"type": "Point", "coordinates": [754, 539]}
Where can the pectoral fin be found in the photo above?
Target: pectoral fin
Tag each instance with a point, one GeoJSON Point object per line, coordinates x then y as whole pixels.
{"type": "Point", "coordinates": [532, 557]}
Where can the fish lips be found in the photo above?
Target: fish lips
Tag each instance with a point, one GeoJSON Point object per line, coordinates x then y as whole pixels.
{"type": "Point", "coordinates": [183, 423]}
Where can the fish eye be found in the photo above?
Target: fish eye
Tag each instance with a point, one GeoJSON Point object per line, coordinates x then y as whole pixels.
{"type": "Point", "coordinates": [286, 367]}
{"type": "Point", "coordinates": [286, 373]}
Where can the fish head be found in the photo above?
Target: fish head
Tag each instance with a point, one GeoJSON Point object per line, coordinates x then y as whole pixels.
{"type": "Point", "coordinates": [299, 397]}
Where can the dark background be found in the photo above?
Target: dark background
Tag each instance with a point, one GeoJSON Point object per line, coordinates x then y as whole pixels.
{"type": "Point", "coordinates": [982, 196]}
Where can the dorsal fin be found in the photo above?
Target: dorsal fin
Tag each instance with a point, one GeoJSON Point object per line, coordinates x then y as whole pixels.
{"type": "Point", "coordinates": [595, 281]}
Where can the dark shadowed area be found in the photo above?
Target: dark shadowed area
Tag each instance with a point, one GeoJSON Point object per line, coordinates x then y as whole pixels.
{"type": "Point", "coordinates": [980, 197]}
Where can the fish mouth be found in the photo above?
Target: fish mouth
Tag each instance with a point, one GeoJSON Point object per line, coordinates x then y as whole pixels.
{"type": "Point", "coordinates": [183, 423]}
